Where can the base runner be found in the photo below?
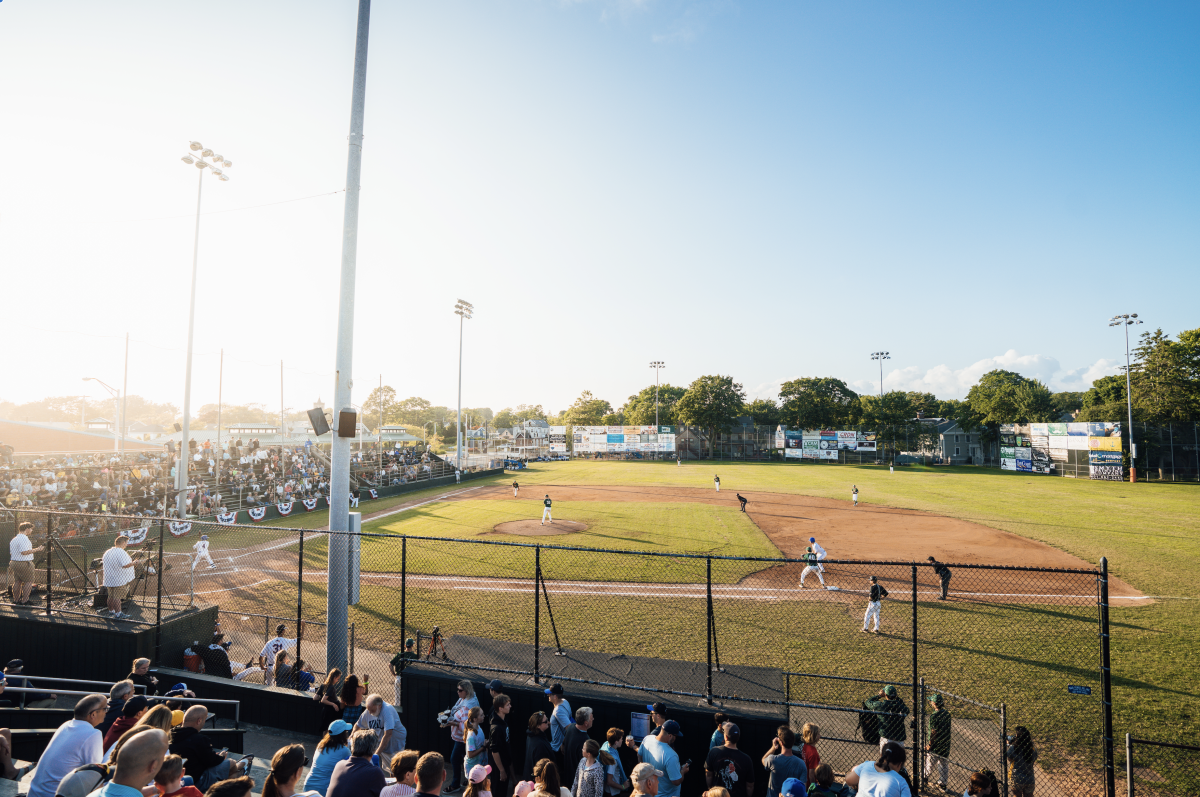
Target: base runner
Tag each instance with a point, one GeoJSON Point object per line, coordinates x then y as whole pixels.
{"type": "Point", "coordinates": [819, 551]}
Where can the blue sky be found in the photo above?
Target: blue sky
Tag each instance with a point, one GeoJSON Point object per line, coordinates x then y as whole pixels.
{"type": "Point", "coordinates": [766, 190]}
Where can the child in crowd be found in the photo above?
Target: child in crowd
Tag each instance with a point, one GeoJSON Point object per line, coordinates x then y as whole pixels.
{"type": "Point", "coordinates": [169, 779]}
{"type": "Point", "coordinates": [811, 734]}
{"type": "Point", "coordinates": [404, 770]}
{"type": "Point", "coordinates": [478, 782]}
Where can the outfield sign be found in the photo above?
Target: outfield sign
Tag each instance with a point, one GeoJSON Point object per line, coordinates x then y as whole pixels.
{"type": "Point", "coordinates": [1078, 690]}
{"type": "Point", "coordinates": [1049, 448]}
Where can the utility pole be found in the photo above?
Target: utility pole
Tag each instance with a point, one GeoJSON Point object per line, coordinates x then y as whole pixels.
{"type": "Point", "coordinates": [881, 356]}
{"type": "Point", "coordinates": [657, 365]}
{"type": "Point", "coordinates": [125, 399]}
{"type": "Point", "coordinates": [1127, 320]}
{"type": "Point", "coordinates": [220, 386]}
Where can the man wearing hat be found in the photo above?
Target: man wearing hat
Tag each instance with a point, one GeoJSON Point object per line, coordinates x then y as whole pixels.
{"type": "Point", "coordinates": [891, 722]}
{"type": "Point", "coordinates": [201, 549]}
{"type": "Point", "coordinates": [399, 662]}
{"type": "Point", "coordinates": [561, 718]}
{"type": "Point", "coordinates": [810, 560]}
{"type": "Point", "coordinates": [495, 688]}
{"type": "Point", "coordinates": [937, 749]}
{"type": "Point", "coordinates": [203, 763]}
{"type": "Point", "coordinates": [644, 778]}
{"type": "Point", "coordinates": [12, 672]}
{"type": "Point", "coordinates": [656, 751]}
{"type": "Point", "coordinates": [819, 551]}
{"type": "Point", "coordinates": [728, 766]}
{"type": "Point", "coordinates": [546, 511]}
{"type": "Point", "coordinates": [131, 712]}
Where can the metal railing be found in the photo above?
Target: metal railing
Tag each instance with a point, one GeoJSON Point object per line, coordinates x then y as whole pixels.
{"type": "Point", "coordinates": [1160, 769]}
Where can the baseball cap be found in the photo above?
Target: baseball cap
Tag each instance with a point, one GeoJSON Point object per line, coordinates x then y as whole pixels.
{"type": "Point", "coordinates": [936, 699]}
{"type": "Point", "coordinates": [339, 726]}
{"type": "Point", "coordinates": [732, 732]}
{"type": "Point", "coordinates": [672, 727]}
{"type": "Point", "coordinates": [812, 539]}
{"type": "Point", "coordinates": [409, 642]}
{"type": "Point", "coordinates": [658, 708]}
{"type": "Point", "coordinates": [523, 788]}
{"type": "Point", "coordinates": [479, 773]}
{"type": "Point", "coordinates": [495, 685]}
{"type": "Point", "coordinates": [15, 664]}
{"type": "Point", "coordinates": [793, 787]}
{"type": "Point", "coordinates": [204, 536]}
{"type": "Point", "coordinates": [135, 704]}
{"type": "Point", "coordinates": [889, 690]}
{"type": "Point", "coordinates": [643, 772]}
{"type": "Point", "coordinates": [555, 689]}
{"type": "Point", "coordinates": [179, 687]}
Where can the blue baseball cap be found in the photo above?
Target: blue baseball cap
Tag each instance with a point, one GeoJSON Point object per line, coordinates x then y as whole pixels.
{"type": "Point", "coordinates": [672, 727]}
{"type": "Point", "coordinates": [339, 726]}
{"type": "Point", "coordinates": [793, 787]}
{"type": "Point", "coordinates": [179, 687]}
{"type": "Point", "coordinates": [556, 689]}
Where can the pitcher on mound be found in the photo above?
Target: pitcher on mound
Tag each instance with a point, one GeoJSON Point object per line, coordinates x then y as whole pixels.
{"type": "Point", "coordinates": [546, 511]}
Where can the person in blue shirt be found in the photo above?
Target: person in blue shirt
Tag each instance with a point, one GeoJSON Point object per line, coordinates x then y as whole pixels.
{"type": "Point", "coordinates": [656, 751]}
{"type": "Point", "coordinates": [560, 719]}
{"type": "Point", "coordinates": [330, 750]}
{"type": "Point", "coordinates": [137, 764]}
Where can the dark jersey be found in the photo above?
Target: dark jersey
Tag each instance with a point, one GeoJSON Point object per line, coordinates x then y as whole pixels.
{"type": "Point", "coordinates": [878, 593]}
{"type": "Point", "coordinates": [942, 571]}
{"type": "Point", "coordinates": [546, 502]}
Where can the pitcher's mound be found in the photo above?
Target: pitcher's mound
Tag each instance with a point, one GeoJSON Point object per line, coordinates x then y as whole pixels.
{"type": "Point", "coordinates": [534, 528]}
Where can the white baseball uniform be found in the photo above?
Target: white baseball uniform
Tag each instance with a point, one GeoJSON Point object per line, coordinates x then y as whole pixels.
{"type": "Point", "coordinates": [821, 554]}
{"type": "Point", "coordinates": [717, 483]}
{"type": "Point", "coordinates": [201, 549]}
{"type": "Point", "coordinates": [546, 512]}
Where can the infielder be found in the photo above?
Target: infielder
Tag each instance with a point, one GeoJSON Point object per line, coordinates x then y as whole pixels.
{"type": "Point", "coordinates": [546, 511]}
{"type": "Point", "coordinates": [742, 499]}
{"type": "Point", "coordinates": [516, 489]}
{"type": "Point", "coordinates": [819, 551]}
{"type": "Point", "coordinates": [878, 593]}
{"type": "Point", "coordinates": [854, 495]}
{"type": "Point", "coordinates": [812, 567]}
{"type": "Point", "coordinates": [717, 483]}
{"type": "Point", "coordinates": [201, 549]}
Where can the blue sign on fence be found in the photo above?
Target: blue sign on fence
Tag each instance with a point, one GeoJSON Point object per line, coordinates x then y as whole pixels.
{"type": "Point", "coordinates": [1079, 690]}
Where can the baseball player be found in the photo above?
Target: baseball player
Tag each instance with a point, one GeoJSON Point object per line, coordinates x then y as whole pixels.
{"type": "Point", "coordinates": [717, 483]}
{"type": "Point", "coordinates": [810, 559]}
{"type": "Point", "coordinates": [943, 573]}
{"type": "Point", "coordinates": [742, 499]}
{"type": "Point", "coordinates": [516, 489]}
{"type": "Point", "coordinates": [266, 658]}
{"type": "Point", "coordinates": [854, 495]}
{"type": "Point", "coordinates": [201, 549]}
{"type": "Point", "coordinates": [546, 511]}
{"type": "Point", "coordinates": [819, 551]}
{"type": "Point", "coordinates": [878, 593]}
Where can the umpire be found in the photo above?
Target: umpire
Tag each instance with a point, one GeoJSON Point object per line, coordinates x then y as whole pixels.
{"type": "Point", "coordinates": [943, 573]}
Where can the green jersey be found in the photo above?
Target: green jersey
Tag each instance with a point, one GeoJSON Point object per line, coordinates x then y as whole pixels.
{"type": "Point", "coordinates": [938, 729]}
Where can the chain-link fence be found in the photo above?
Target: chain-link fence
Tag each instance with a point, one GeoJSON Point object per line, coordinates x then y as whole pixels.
{"type": "Point", "coordinates": [1159, 769]}
{"type": "Point", "coordinates": [1003, 646]}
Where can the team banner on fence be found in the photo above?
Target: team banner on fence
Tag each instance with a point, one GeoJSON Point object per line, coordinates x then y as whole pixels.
{"type": "Point", "coordinates": [284, 509]}
{"type": "Point", "coordinates": [179, 529]}
{"type": "Point", "coordinates": [227, 518]}
{"type": "Point", "coordinates": [258, 513]}
{"type": "Point", "coordinates": [137, 536]}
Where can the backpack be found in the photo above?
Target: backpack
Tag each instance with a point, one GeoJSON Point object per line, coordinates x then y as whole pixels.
{"type": "Point", "coordinates": [868, 722]}
{"type": "Point", "coordinates": [83, 780]}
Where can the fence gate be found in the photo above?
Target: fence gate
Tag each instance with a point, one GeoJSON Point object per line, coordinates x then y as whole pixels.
{"type": "Point", "coordinates": [977, 742]}
{"type": "Point", "coordinates": [1158, 769]}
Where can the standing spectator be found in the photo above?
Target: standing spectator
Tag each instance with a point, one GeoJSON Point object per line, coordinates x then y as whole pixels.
{"type": "Point", "coordinates": [781, 763]}
{"type": "Point", "coordinates": [943, 573]}
{"type": "Point", "coordinates": [478, 782]}
{"type": "Point", "coordinates": [937, 749]}
{"type": "Point", "coordinates": [549, 784]}
{"type": "Point", "coordinates": [476, 740]}
{"type": "Point", "coordinates": [729, 767]}
{"type": "Point", "coordinates": [353, 693]}
{"type": "Point", "coordinates": [615, 781]}
{"type": "Point", "coordinates": [398, 663]}
{"type": "Point", "coordinates": [332, 749]}
{"type": "Point", "coordinates": [266, 658]}
{"type": "Point", "coordinates": [75, 744]}
{"type": "Point", "coordinates": [404, 769]}
{"type": "Point", "coordinates": [357, 776]}
{"type": "Point", "coordinates": [891, 723]}
{"type": "Point", "coordinates": [327, 696]}
{"type": "Point", "coordinates": [560, 718]}
{"type": "Point", "coordinates": [383, 720]}
{"type": "Point", "coordinates": [458, 720]}
{"type": "Point", "coordinates": [718, 737]}
{"type": "Point", "coordinates": [117, 695]}
{"type": "Point", "coordinates": [233, 787]}
{"type": "Point", "coordinates": [810, 733]}
{"type": "Point", "coordinates": [823, 785]}
{"type": "Point", "coordinates": [656, 751]}
{"type": "Point", "coordinates": [537, 743]}
{"type": "Point", "coordinates": [282, 672]}
{"type": "Point", "coordinates": [982, 784]}
{"type": "Point", "coordinates": [205, 765]}
{"type": "Point", "coordinates": [287, 765]}
{"type": "Point", "coordinates": [500, 745]}
{"type": "Point", "coordinates": [645, 780]}
{"type": "Point", "coordinates": [137, 763]}
{"type": "Point", "coordinates": [13, 674]}
{"type": "Point", "coordinates": [881, 778]}
{"type": "Point", "coordinates": [573, 739]}
{"type": "Point", "coordinates": [495, 688]}
{"type": "Point", "coordinates": [133, 710]}
{"type": "Point", "coordinates": [1021, 756]}
{"type": "Point", "coordinates": [140, 675]}
{"type": "Point", "coordinates": [20, 554]}
{"type": "Point", "coordinates": [216, 658]}
{"type": "Point", "coordinates": [590, 771]}
{"type": "Point", "coordinates": [118, 574]}
{"type": "Point", "coordinates": [658, 715]}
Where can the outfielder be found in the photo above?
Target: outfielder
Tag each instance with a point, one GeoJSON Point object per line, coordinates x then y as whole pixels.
{"type": "Point", "coordinates": [717, 483]}
{"type": "Point", "coordinates": [854, 495]}
{"type": "Point", "coordinates": [878, 593]}
{"type": "Point", "coordinates": [810, 559]}
{"type": "Point", "coordinates": [819, 551]}
{"type": "Point", "coordinates": [516, 489]}
{"type": "Point", "coordinates": [201, 549]}
{"type": "Point", "coordinates": [546, 511]}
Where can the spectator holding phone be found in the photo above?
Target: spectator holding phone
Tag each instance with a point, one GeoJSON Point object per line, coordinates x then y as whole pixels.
{"type": "Point", "coordinates": [206, 764]}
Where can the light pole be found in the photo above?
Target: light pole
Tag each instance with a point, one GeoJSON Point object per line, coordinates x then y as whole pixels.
{"type": "Point", "coordinates": [217, 167]}
{"type": "Point", "coordinates": [116, 394]}
{"type": "Point", "coordinates": [657, 365]}
{"type": "Point", "coordinates": [1127, 320]}
{"type": "Point", "coordinates": [463, 310]}
{"type": "Point", "coordinates": [881, 356]}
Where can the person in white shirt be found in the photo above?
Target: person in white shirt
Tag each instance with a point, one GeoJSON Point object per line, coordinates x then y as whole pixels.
{"type": "Point", "coordinates": [266, 659]}
{"type": "Point", "coordinates": [118, 573]}
{"type": "Point", "coordinates": [820, 552]}
{"type": "Point", "coordinates": [880, 778]}
{"type": "Point", "coordinates": [76, 743]}
{"type": "Point", "coordinates": [201, 549]}
{"type": "Point", "coordinates": [20, 553]}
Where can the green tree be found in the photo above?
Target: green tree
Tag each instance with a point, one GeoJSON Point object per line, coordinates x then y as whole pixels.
{"type": "Point", "coordinates": [818, 403]}
{"type": "Point", "coordinates": [765, 412]}
{"type": "Point", "coordinates": [413, 410]}
{"type": "Point", "coordinates": [639, 409]}
{"type": "Point", "coordinates": [1105, 401]}
{"type": "Point", "coordinates": [1160, 374]}
{"type": "Point", "coordinates": [586, 411]}
{"type": "Point", "coordinates": [380, 400]}
{"type": "Point", "coordinates": [924, 403]}
{"type": "Point", "coordinates": [1066, 402]}
{"type": "Point", "coordinates": [613, 419]}
{"type": "Point", "coordinates": [712, 403]}
{"type": "Point", "coordinates": [1005, 397]}
{"type": "Point", "coordinates": [505, 419]}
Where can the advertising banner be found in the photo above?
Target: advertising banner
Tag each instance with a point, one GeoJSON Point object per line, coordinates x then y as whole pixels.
{"type": "Point", "coordinates": [615, 438]}
{"type": "Point", "coordinates": [1078, 430]}
{"type": "Point", "coordinates": [559, 447]}
{"type": "Point", "coordinates": [1008, 439]}
{"type": "Point", "coordinates": [1056, 429]}
{"type": "Point", "coordinates": [810, 453]}
{"type": "Point", "coordinates": [828, 444]}
{"type": "Point", "coordinates": [780, 436]}
{"type": "Point", "coordinates": [1104, 443]}
{"type": "Point", "coordinates": [599, 448]}
{"type": "Point", "coordinates": [614, 429]}
{"type": "Point", "coordinates": [558, 430]}
{"type": "Point", "coordinates": [815, 434]}
{"type": "Point", "coordinates": [868, 436]}
{"type": "Point", "coordinates": [866, 445]}
{"type": "Point", "coordinates": [811, 445]}
{"type": "Point", "coordinates": [1025, 465]}
{"type": "Point", "coordinates": [847, 435]}
{"type": "Point", "coordinates": [1008, 463]}
{"type": "Point", "coordinates": [793, 453]}
{"type": "Point", "coordinates": [1104, 430]}
{"type": "Point", "coordinates": [1008, 452]}
{"type": "Point", "coordinates": [1104, 457]}
{"type": "Point", "coordinates": [1108, 473]}
{"type": "Point", "coordinates": [847, 445]}
{"type": "Point", "coordinates": [1078, 442]}
{"type": "Point", "coordinates": [1058, 440]}
{"type": "Point", "coordinates": [829, 453]}
{"type": "Point", "coordinates": [1023, 453]}
{"type": "Point", "coordinates": [1058, 454]}
{"type": "Point", "coordinates": [1036, 429]}
{"type": "Point", "coordinates": [667, 430]}
{"type": "Point", "coordinates": [828, 434]}
{"type": "Point", "coordinates": [666, 442]}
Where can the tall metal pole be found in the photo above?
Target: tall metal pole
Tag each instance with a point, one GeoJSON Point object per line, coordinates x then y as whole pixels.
{"type": "Point", "coordinates": [339, 492]}
{"type": "Point", "coordinates": [1129, 406]}
{"type": "Point", "coordinates": [124, 398]}
{"type": "Point", "coordinates": [220, 385]}
{"type": "Point", "coordinates": [1110, 786]}
{"type": "Point", "coordinates": [918, 709]}
{"type": "Point", "coordinates": [380, 434]}
{"type": "Point", "coordinates": [181, 472]}
{"type": "Point", "coordinates": [281, 421]}
{"type": "Point", "coordinates": [458, 436]}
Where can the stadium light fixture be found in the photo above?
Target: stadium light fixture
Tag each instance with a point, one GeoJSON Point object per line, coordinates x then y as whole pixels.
{"type": "Point", "coordinates": [463, 309]}
{"type": "Point", "coordinates": [1128, 320]}
{"type": "Point", "coordinates": [181, 473]}
{"type": "Point", "coordinates": [881, 356]}
{"type": "Point", "coordinates": [657, 365]}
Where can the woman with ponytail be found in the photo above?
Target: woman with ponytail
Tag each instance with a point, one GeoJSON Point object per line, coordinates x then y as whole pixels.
{"type": "Point", "coordinates": [287, 767]}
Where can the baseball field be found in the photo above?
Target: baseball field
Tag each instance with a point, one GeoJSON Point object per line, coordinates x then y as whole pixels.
{"type": "Point", "coordinates": [1016, 637]}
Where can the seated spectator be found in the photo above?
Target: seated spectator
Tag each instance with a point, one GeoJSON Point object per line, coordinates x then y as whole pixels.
{"type": "Point", "coordinates": [76, 743]}
{"type": "Point", "coordinates": [7, 770]}
{"type": "Point", "coordinates": [287, 765]}
{"type": "Point", "coordinates": [158, 717]}
{"type": "Point", "coordinates": [169, 779]}
{"type": "Point", "coordinates": [4, 701]}
{"type": "Point", "coordinates": [12, 673]}
{"type": "Point", "coordinates": [204, 763]}
{"type": "Point", "coordinates": [356, 775]}
{"type": "Point", "coordinates": [216, 658]}
{"type": "Point", "coordinates": [234, 787]}
{"type": "Point", "coordinates": [645, 780]}
{"type": "Point", "coordinates": [117, 695]}
{"type": "Point", "coordinates": [282, 671]}
{"type": "Point", "coordinates": [137, 763]}
{"type": "Point", "coordinates": [332, 749]}
{"type": "Point", "coordinates": [133, 710]}
{"type": "Point", "coordinates": [351, 699]}
{"type": "Point", "coordinates": [404, 770]}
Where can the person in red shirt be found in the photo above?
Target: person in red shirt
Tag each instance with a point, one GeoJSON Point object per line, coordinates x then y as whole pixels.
{"type": "Point", "coordinates": [811, 734]}
{"type": "Point", "coordinates": [169, 779]}
{"type": "Point", "coordinates": [131, 712]}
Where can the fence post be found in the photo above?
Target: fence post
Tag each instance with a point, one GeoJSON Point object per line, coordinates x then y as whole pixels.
{"type": "Point", "coordinates": [916, 755]}
{"type": "Point", "coordinates": [1110, 785]}
{"type": "Point", "coordinates": [537, 612]}
{"type": "Point", "coordinates": [158, 596]}
{"type": "Point", "coordinates": [919, 733]}
{"type": "Point", "coordinates": [49, 556]}
{"type": "Point", "coordinates": [300, 596]}
{"type": "Point", "coordinates": [352, 630]}
{"type": "Point", "coordinates": [1128, 765]}
{"type": "Point", "coordinates": [403, 590]}
{"type": "Point", "coordinates": [709, 612]}
{"type": "Point", "coordinates": [1004, 748]}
